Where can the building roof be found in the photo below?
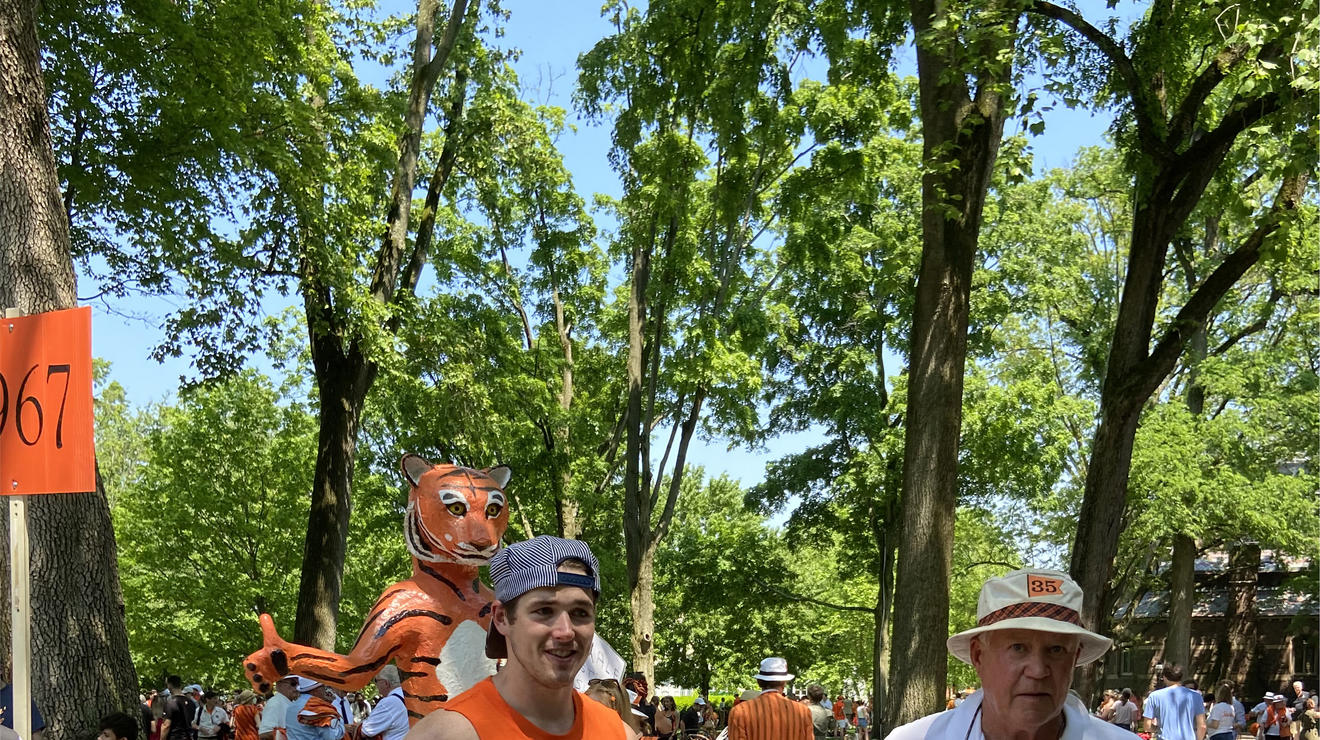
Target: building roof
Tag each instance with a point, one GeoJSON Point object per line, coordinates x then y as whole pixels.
{"type": "Point", "coordinates": [1271, 561]}
{"type": "Point", "coordinates": [1213, 602]}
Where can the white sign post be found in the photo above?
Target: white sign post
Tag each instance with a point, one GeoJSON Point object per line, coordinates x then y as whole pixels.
{"type": "Point", "coordinates": [19, 613]}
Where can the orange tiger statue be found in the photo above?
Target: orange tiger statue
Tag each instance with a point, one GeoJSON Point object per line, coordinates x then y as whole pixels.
{"type": "Point", "coordinates": [432, 625]}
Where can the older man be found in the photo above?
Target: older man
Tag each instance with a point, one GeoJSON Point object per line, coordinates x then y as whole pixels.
{"type": "Point", "coordinates": [1029, 637]}
{"type": "Point", "coordinates": [273, 714]}
{"type": "Point", "coordinates": [771, 715]}
{"type": "Point", "coordinates": [390, 717]}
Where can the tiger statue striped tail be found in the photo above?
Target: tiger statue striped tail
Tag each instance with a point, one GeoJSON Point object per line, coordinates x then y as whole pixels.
{"type": "Point", "coordinates": [432, 625]}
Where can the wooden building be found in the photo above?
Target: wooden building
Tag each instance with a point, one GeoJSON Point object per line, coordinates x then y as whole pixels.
{"type": "Point", "coordinates": [1259, 626]}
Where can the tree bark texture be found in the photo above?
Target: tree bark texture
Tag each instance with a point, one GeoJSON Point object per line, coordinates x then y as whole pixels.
{"type": "Point", "coordinates": [1182, 595]}
{"type": "Point", "coordinates": [641, 599]}
{"type": "Point", "coordinates": [342, 385]}
{"type": "Point", "coordinates": [1238, 643]}
{"type": "Point", "coordinates": [81, 668]}
{"type": "Point", "coordinates": [637, 487]}
{"type": "Point", "coordinates": [961, 138]}
{"type": "Point", "coordinates": [344, 373]}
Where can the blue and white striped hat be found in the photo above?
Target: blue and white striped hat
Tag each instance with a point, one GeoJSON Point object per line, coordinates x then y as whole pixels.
{"type": "Point", "coordinates": [534, 563]}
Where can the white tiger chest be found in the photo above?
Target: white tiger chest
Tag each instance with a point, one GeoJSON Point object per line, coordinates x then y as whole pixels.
{"type": "Point", "coordinates": [463, 661]}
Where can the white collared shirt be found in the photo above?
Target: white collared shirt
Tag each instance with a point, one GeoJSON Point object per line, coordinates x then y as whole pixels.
{"type": "Point", "coordinates": [390, 717]}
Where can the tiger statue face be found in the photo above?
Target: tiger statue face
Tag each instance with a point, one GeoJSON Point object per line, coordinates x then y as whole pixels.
{"type": "Point", "coordinates": [455, 514]}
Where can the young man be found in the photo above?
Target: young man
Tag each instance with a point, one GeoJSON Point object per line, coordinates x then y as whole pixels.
{"type": "Point", "coordinates": [1178, 711]}
{"type": "Point", "coordinates": [180, 712]}
{"type": "Point", "coordinates": [542, 622]}
{"type": "Point", "coordinates": [118, 726]}
{"type": "Point", "coordinates": [1029, 637]}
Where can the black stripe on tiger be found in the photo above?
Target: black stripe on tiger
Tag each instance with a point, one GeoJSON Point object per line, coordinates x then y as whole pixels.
{"type": "Point", "coordinates": [405, 675]}
{"type": "Point", "coordinates": [376, 614]}
{"type": "Point", "coordinates": [437, 616]}
{"type": "Point", "coordinates": [312, 657]}
{"type": "Point", "coordinates": [423, 697]}
{"type": "Point", "coordinates": [432, 572]}
{"type": "Point", "coordinates": [426, 659]}
{"type": "Point", "coordinates": [484, 611]}
{"type": "Point", "coordinates": [418, 715]}
{"type": "Point", "coordinates": [367, 667]}
{"type": "Point", "coordinates": [323, 677]}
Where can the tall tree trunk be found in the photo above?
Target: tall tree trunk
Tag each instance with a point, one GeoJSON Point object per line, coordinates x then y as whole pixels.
{"type": "Point", "coordinates": [342, 385]}
{"type": "Point", "coordinates": [1182, 570]}
{"type": "Point", "coordinates": [1182, 594]}
{"type": "Point", "coordinates": [344, 374]}
{"type": "Point", "coordinates": [567, 504]}
{"type": "Point", "coordinates": [81, 668]}
{"type": "Point", "coordinates": [641, 598]}
{"type": "Point", "coordinates": [961, 138]}
{"type": "Point", "coordinates": [1238, 643]}
{"type": "Point", "coordinates": [881, 649]}
{"type": "Point", "coordinates": [636, 503]}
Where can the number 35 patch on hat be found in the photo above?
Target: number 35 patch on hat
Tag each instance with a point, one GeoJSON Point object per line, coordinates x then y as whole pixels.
{"type": "Point", "coordinates": [1043, 586]}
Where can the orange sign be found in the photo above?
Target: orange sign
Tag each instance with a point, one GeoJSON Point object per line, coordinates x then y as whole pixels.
{"type": "Point", "coordinates": [46, 403]}
{"type": "Point", "coordinates": [1043, 586]}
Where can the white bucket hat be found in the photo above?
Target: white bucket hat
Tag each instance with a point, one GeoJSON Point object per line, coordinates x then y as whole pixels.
{"type": "Point", "coordinates": [1031, 599]}
{"type": "Point", "coordinates": [774, 669]}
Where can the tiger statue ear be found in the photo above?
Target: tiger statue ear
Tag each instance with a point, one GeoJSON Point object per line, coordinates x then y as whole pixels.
{"type": "Point", "coordinates": [500, 474]}
{"type": "Point", "coordinates": [414, 466]}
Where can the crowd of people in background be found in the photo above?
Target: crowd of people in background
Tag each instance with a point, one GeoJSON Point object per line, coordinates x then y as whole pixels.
{"type": "Point", "coordinates": [297, 709]}
{"type": "Point", "coordinates": [659, 717]}
{"type": "Point", "coordinates": [1180, 709]}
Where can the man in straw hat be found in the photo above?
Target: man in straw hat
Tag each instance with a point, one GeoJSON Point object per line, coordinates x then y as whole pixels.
{"type": "Point", "coordinates": [771, 716]}
{"type": "Point", "coordinates": [1027, 640]}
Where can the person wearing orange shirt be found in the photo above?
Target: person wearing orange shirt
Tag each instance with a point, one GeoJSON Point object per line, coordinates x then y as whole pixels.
{"type": "Point", "coordinates": [840, 720]}
{"type": "Point", "coordinates": [543, 620]}
{"type": "Point", "coordinates": [771, 716]}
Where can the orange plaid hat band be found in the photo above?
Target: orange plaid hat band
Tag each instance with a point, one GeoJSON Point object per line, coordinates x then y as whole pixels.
{"type": "Point", "coordinates": [1032, 609]}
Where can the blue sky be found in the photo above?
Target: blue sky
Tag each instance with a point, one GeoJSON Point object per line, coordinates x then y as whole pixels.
{"type": "Point", "coordinates": [551, 35]}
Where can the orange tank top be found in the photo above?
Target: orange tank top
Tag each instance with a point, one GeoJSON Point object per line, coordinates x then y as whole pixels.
{"type": "Point", "coordinates": [493, 719]}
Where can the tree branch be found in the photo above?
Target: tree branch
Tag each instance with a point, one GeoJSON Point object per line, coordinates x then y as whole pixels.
{"type": "Point", "coordinates": [431, 71]}
{"type": "Point", "coordinates": [1151, 142]}
{"type": "Point", "coordinates": [1205, 83]}
{"type": "Point", "coordinates": [1194, 312]}
{"type": "Point", "coordinates": [1241, 116]}
{"type": "Point", "coordinates": [818, 602]}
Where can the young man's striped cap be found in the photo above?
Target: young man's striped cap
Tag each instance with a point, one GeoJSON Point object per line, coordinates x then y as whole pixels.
{"type": "Point", "coordinates": [534, 563]}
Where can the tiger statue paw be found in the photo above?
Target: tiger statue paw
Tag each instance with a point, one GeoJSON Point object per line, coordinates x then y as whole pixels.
{"type": "Point", "coordinates": [269, 664]}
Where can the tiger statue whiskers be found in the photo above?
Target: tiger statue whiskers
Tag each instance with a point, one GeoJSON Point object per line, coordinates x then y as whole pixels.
{"type": "Point", "coordinates": [432, 625]}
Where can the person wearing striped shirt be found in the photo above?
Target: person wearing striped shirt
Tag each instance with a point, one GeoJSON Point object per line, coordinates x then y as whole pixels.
{"type": "Point", "coordinates": [771, 716]}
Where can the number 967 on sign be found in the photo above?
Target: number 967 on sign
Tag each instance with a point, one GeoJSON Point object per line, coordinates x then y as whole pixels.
{"type": "Point", "coordinates": [46, 403]}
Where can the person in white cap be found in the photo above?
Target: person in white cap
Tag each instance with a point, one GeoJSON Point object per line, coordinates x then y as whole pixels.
{"type": "Point", "coordinates": [1029, 637]}
{"type": "Point", "coordinates": [543, 620]}
{"type": "Point", "coordinates": [311, 716]}
{"type": "Point", "coordinates": [272, 715]}
{"type": "Point", "coordinates": [771, 715]}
